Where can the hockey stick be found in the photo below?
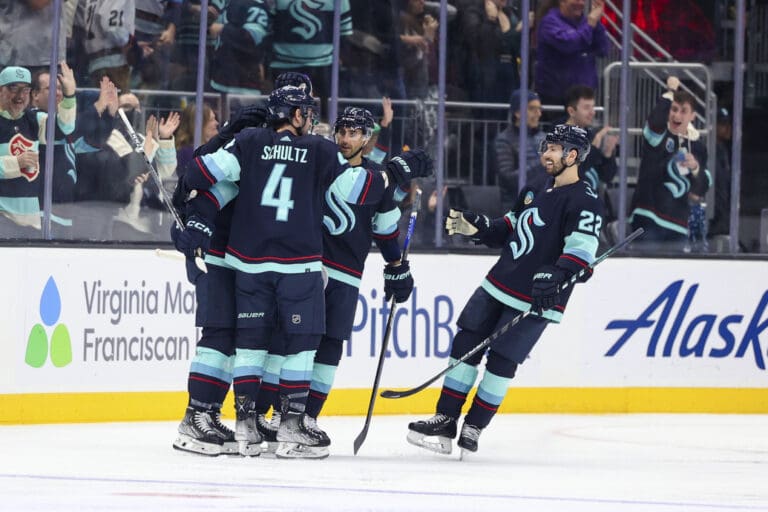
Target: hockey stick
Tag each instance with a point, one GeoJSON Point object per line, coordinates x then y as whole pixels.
{"type": "Point", "coordinates": [139, 148]}
{"type": "Point", "coordinates": [169, 254]}
{"type": "Point", "coordinates": [388, 393]}
{"type": "Point", "coordinates": [360, 439]}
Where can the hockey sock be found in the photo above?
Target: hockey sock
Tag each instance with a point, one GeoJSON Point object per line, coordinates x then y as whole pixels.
{"type": "Point", "coordinates": [209, 376]}
{"type": "Point", "coordinates": [491, 391]}
{"type": "Point", "coordinates": [327, 360]}
{"type": "Point", "coordinates": [322, 381]}
{"type": "Point", "coordinates": [270, 385]}
{"type": "Point", "coordinates": [295, 376]}
{"type": "Point", "coordinates": [457, 384]}
{"type": "Point", "coordinates": [247, 371]}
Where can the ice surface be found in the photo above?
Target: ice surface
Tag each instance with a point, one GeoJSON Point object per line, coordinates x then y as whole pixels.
{"type": "Point", "coordinates": [564, 463]}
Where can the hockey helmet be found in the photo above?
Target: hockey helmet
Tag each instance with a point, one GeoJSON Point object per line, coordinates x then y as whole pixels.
{"type": "Point", "coordinates": [569, 137]}
{"type": "Point", "coordinates": [356, 118]}
{"type": "Point", "coordinates": [283, 101]}
{"type": "Point", "coordinates": [295, 79]}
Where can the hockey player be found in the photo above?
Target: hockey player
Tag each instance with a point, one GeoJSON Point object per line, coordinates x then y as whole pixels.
{"type": "Point", "coordinates": [201, 430]}
{"type": "Point", "coordinates": [349, 231]}
{"type": "Point", "coordinates": [673, 165]}
{"type": "Point", "coordinates": [283, 175]}
{"type": "Point", "coordinates": [549, 236]}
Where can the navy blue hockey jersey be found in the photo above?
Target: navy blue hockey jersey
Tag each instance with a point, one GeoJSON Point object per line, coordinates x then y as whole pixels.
{"type": "Point", "coordinates": [349, 230]}
{"type": "Point", "coordinates": [278, 216]}
{"type": "Point", "coordinates": [555, 226]}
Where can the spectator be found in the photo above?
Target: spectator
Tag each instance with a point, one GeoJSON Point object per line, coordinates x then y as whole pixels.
{"type": "Point", "coordinates": [25, 35]}
{"type": "Point", "coordinates": [370, 63]}
{"type": "Point", "coordinates": [673, 165]}
{"type": "Point", "coordinates": [20, 141]}
{"type": "Point", "coordinates": [238, 61]}
{"type": "Point", "coordinates": [184, 63]}
{"type": "Point", "coordinates": [600, 165]}
{"type": "Point", "coordinates": [492, 35]}
{"type": "Point", "coordinates": [155, 34]}
{"type": "Point", "coordinates": [301, 47]}
{"type": "Point", "coordinates": [378, 146]}
{"type": "Point", "coordinates": [104, 30]}
{"type": "Point", "coordinates": [567, 43]}
{"type": "Point", "coordinates": [721, 220]}
{"type": "Point", "coordinates": [418, 31]}
{"type": "Point", "coordinates": [507, 144]}
{"type": "Point", "coordinates": [185, 135]}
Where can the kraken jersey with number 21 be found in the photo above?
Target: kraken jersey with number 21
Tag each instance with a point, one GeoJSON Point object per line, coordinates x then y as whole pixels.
{"type": "Point", "coordinates": [555, 226]}
{"type": "Point", "coordinates": [278, 216]}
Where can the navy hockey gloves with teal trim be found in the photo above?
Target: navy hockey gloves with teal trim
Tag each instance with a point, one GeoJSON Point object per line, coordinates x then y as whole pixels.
{"type": "Point", "coordinates": [195, 238]}
{"type": "Point", "coordinates": [545, 292]}
{"type": "Point", "coordinates": [412, 164]}
{"type": "Point", "coordinates": [398, 282]}
{"type": "Point", "coordinates": [250, 116]}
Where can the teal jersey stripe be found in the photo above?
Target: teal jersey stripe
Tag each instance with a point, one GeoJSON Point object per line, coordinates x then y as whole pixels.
{"type": "Point", "coordinates": [337, 275]}
{"type": "Point", "coordinates": [514, 303]}
{"type": "Point", "coordinates": [280, 268]}
{"type": "Point", "coordinates": [653, 138]}
{"type": "Point", "coordinates": [582, 246]}
{"type": "Point", "coordinates": [658, 221]}
{"type": "Point", "coordinates": [212, 362]}
{"type": "Point", "coordinates": [20, 205]}
{"type": "Point", "coordinates": [323, 376]}
{"type": "Point", "coordinates": [222, 164]}
{"type": "Point", "coordinates": [385, 223]}
{"type": "Point", "coordinates": [249, 362]}
{"type": "Point", "coordinates": [224, 192]}
{"type": "Point", "coordinates": [272, 368]}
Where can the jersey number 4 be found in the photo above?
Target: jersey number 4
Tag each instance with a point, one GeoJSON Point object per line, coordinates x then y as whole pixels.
{"type": "Point", "coordinates": [277, 193]}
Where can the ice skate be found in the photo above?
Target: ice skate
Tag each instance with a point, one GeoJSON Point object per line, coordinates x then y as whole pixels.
{"type": "Point", "coordinates": [268, 431]}
{"type": "Point", "coordinates": [227, 435]}
{"type": "Point", "coordinates": [468, 439]}
{"type": "Point", "coordinates": [246, 429]}
{"type": "Point", "coordinates": [198, 433]}
{"type": "Point", "coordinates": [440, 427]}
{"type": "Point", "coordinates": [300, 438]}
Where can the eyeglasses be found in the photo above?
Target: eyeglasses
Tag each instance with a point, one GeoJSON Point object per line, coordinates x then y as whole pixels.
{"type": "Point", "coordinates": [16, 89]}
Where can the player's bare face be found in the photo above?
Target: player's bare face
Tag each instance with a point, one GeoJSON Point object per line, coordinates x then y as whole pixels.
{"type": "Point", "coordinates": [680, 116]}
{"type": "Point", "coordinates": [349, 141]}
{"type": "Point", "coordinates": [14, 98]}
{"type": "Point", "coordinates": [552, 159]}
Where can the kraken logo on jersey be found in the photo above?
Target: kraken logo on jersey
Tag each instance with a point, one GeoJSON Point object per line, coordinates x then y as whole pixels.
{"type": "Point", "coordinates": [343, 213]}
{"type": "Point", "coordinates": [678, 185]}
{"type": "Point", "coordinates": [525, 241]}
{"type": "Point", "coordinates": [310, 24]}
{"type": "Point", "coordinates": [18, 145]}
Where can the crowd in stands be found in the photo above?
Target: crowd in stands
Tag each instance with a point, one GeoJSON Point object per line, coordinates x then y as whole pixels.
{"type": "Point", "coordinates": [121, 48]}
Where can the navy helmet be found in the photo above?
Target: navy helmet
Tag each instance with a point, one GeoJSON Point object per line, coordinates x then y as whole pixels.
{"type": "Point", "coordinates": [283, 101]}
{"type": "Point", "coordinates": [295, 79]}
{"type": "Point", "coordinates": [569, 137]}
{"type": "Point", "coordinates": [356, 118]}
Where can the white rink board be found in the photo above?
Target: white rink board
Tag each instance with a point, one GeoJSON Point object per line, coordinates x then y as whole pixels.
{"type": "Point", "coordinates": [701, 309]}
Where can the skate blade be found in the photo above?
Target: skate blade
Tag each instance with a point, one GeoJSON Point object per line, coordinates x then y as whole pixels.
{"type": "Point", "coordinates": [441, 445]}
{"type": "Point", "coordinates": [248, 449]}
{"type": "Point", "coordinates": [188, 444]}
{"type": "Point", "coordinates": [269, 447]}
{"type": "Point", "coordinates": [287, 450]}
{"type": "Point", "coordinates": [229, 448]}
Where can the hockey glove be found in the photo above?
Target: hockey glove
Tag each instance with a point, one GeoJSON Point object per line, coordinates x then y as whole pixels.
{"type": "Point", "coordinates": [466, 223]}
{"type": "Point", "coordinates": [196, 237]}
{"type": "Point", "coordinates": [409, 165]}
{"type": "Point", "coordinates": [245, 117]}
{"type": "Point", "coordinates": [546, 283]}
{"type": "Point", "coordinates": [398, 282]}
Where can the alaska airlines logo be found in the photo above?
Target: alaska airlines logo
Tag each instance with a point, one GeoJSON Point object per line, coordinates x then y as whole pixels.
{"type": "Point", "coordinates": [345, 217]}
{"type": "Point", "coordinates": [310, 24]}
{"type": "Point", "coordinates": [530, 217]}
{"type": "Point", "coordinates": [37, 343]}
{"type": "Point", "coordinates": [697, 332]}
{"type": "Point", "coordinates": [18, 145]}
